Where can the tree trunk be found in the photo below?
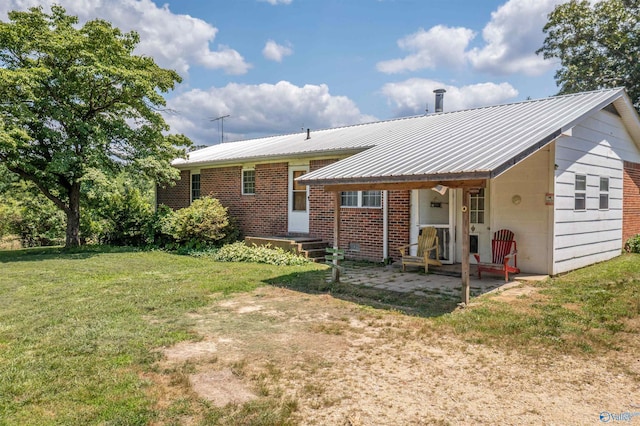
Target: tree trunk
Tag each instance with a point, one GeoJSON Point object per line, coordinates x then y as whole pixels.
{"type": "Point", "coordinates": [73, 217]}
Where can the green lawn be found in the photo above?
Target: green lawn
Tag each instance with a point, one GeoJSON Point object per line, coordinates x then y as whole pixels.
{"type": "Point", "coordinates": [593, 309]}
{"type": "Point", "coordinates": [78, 329]}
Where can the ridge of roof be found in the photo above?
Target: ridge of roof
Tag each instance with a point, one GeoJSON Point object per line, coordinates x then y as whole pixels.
{"type": "Point", "coordinates": [473, 143]}
{"type": "Point", "coordinates": [277, 146]}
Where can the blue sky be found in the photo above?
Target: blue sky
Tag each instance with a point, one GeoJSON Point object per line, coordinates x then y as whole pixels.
{"type": "Point", "coordinates": [278, 66]}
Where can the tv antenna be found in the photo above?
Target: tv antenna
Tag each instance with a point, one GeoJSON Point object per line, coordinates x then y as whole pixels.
{"type": "Point", "coordinates": [221, 119]}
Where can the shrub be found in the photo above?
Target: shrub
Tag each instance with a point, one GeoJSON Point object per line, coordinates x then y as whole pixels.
{"type": "Point", "coordinates": [633, 244]}
{"type": "Point", "coordinates": [28, 215]}
{"type": "Point", "coordinates": [126, 214]}
{"type": "Point", "coordinates": [204, 223]}
{"type": "Point", "coordinates": [158, 230]}
{"type": "Point", "coordinates": [240, 252]}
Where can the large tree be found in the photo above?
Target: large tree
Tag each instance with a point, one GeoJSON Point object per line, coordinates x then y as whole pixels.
{"type": "Point", "coordinates": [598, 45]}
{"type": "Point", "coordinates": [76, 98]}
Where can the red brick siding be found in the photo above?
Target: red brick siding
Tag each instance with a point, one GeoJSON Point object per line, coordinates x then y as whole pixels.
{"type": "Point", "coordinates": [177, 196]}
{"type": "Point", "coordinates": [262, 214]}
{"type": "Point", "coordinates": [320, 206]}
{"type": "Point", "coordinates": [266, 212]}
{"type": "Point", "coordinates": [631, 200]}
{"type": "Point", "coordinates": [399, 221]}
{"type": "Point", "coordinates": [359, 226]}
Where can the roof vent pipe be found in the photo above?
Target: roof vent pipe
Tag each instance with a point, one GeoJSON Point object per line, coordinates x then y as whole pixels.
{"type": "Point", "coordinates": [439, 99]}
{"type": "Point", "coordinates": [308, 134]}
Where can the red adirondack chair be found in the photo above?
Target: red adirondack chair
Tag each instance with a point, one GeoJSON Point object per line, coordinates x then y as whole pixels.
{"type": "Point", "coordinates": [503, 250]}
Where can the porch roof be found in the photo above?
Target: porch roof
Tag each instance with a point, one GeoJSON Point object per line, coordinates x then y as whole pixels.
{"type": "Point", "coordinates": [463, 147]}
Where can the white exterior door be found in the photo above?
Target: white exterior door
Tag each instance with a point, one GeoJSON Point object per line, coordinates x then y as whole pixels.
{"type": "Point", "coordinates": [430, 208]}
{"type": "Point", "coordinates": [480, 231]}
{"type": "Point", "coordinates": [298, 201]}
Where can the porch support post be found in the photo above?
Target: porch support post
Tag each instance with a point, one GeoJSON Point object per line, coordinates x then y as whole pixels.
{"type": "Point", "coordinates": [335, 273]}
{"type": "Point", "coordinates": [466, 250]}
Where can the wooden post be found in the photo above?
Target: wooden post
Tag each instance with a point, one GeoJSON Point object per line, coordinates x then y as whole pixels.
{"type": "Point", "coordinates": [335, 273]}
{"type": "Point", "coordinates": [466, 249]}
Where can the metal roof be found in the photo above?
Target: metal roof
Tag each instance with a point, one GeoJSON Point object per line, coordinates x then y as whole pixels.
{"type": "Point", "coordinates": [477, 143]}
{"type": "Point", "coordinates": [348, 139]}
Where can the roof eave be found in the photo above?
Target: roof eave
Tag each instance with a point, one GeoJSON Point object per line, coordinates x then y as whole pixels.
{"type": "Point", "coordinates": [268, 158]}
{"type": "Point", "coordinates": [406, 181]}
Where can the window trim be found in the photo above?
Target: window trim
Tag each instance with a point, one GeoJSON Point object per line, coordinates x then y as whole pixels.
{"type": "Point", "coordinates": [477, 211]}
{"type": "Point", "coordinates": [359, 204]}
{"type": "Point", "coordinates": [604, 192]}
{"type": "Point", "coordinates": [243, 181]}
{"type": "Point", "coordinates": [582, 192]}
{"type": "Point", "coordinates": [191, 189]}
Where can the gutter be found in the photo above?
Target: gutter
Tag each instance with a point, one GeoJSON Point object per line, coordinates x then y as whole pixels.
{"type": "Point", "coordinates": [186, 164]}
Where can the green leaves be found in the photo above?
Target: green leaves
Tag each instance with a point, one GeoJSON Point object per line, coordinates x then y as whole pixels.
{"type": "Point", "coordinates": [76, 99]}
{"type": "Point", "coordinates": [598, 45]}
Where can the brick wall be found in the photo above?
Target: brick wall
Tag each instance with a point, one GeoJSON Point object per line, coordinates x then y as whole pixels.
{"type": "Point", "coordinates": [262, 214]}
{"type": "Point", "coordinates": [266, 212]}
{"type": "Point", "coordinates": [631, 200]}
{"type": "Point", "coordinates": [361, 229]}
{"type": "Point", "coordinates": [320, 206]}
{"type": "Point", "coordinates": [399, 221]}
{"type": "Point", "coordinates": [177, 196]}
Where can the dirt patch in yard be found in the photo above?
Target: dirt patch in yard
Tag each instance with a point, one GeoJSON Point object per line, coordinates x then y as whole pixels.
{"type": "Point", "coordinates": [346, 364]}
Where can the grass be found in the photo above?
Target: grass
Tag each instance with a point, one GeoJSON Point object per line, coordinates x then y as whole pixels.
{"type": "Point", "coordinates": [589, 310]}
{"type": "Point", "coordinates": [78, 329]}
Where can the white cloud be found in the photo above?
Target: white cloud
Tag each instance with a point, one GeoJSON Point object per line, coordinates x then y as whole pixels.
{"type": "Point", "coordinates": [412, 96]}
{"type": "Point", "coordinates": [512, 37]}
{"type": "Point", "coordinates": [440, 46]}
{"type": "Point", "coordinates": [275, 52]}
{"type": "Point", "coordinates": [276, 2]}
{"type": "Point", "coordinates": [174, 41]}
{"type": "Point", "coordinates": [258, 110]}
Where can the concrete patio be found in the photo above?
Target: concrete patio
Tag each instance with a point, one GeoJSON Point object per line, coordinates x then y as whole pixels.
{"type": "Point", "coordinates": [445, 280]}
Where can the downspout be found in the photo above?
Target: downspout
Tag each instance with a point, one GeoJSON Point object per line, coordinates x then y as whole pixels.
{"type": "Point", "coordinates": [385, 226]}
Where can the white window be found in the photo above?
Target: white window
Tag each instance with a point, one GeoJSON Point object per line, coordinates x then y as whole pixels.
{"type": "Point", "coordinates": [476, 209]}
{"type": "Point", "coordinates": [248, 182]}
{"type": "Point", "coordinates": [299, 193]}
{"type": "Point", "coordinates": [349, 199]}
{"type": "Point", "coordinates": [195, 187]}
{"type": "Point", "coordinates": [371, 198]}
{"type": "Point", "coordinates": [367, 199]}
{"type": "Point", "coordinates": [580, 193]}
{"type": "Point", "coordinates": [604, 193]}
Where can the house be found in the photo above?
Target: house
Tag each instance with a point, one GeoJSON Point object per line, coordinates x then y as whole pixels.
{"type": "Point", "coordinates": [562, 172]}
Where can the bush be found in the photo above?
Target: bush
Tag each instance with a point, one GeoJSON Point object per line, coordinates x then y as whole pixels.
{"type": "Point", "coordinates": [240, 252]}
{"type": "Point", "coordinates": [633, 244]}
{"type": "Point", "coordinates": [158, 230]}
{"type": "Point", "coordinates": [126, 216]}
{"type": "Point", "coordinates": [204, 223]}
{"type": "Point", "coordinates": [28, 215]}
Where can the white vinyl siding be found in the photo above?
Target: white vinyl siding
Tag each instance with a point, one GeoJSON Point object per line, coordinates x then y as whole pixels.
{"type": "Point", "coordinates": [594, 150]}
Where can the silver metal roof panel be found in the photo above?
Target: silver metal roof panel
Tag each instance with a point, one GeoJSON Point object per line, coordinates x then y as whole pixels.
{"type": "Point", "coordinates": [480, 143]}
